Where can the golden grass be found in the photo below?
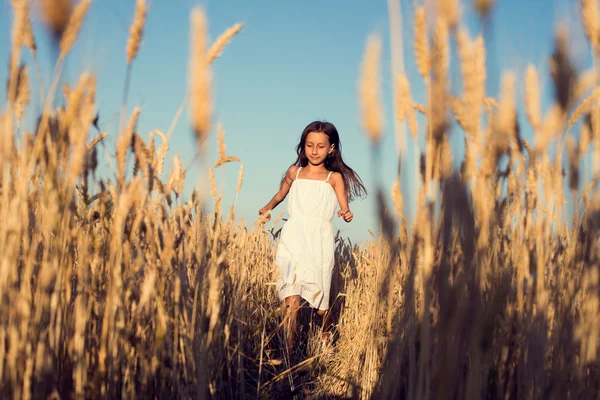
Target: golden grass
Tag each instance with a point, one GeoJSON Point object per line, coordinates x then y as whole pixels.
{"type": "Point", "coordinates": [126, 288]}
{"type": "Point", "coordinates": [55, 14]}
{"type": "Point", "coordinates": [136, 30]}
{"type": "Point", "coordinates": [370, 90]}
{"type": "Point", "coordinates": [200, 77]}
{"type": "Point", "coordinates": [421, 43]}
{"type": "Point", "coordinates": [590, 13]}
{"type": "Point", "coordinates": [219, 45]}
{"type": "Point", "coordinates": [73, 26]}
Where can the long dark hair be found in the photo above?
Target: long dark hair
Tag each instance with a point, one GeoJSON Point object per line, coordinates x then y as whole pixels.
{"type": "Point", "coordinates": [334, 162]}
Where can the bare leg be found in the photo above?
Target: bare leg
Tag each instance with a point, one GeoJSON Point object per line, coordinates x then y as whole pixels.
{"type": "Point", "coordinates": [324, 314]}
{"type": "Point", "coordinates": [325, 335]}
{"type": "Point", "coordinates": [292, 305]}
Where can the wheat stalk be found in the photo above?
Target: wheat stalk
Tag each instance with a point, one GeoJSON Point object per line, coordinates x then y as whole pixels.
{"type": "Point", "coordinates": [240, 179]}
{"type": "Point", "coordinates": [507, 114]}
{"type": "Point", "coordinates": [221, 142]}
{"type": "Point", "coordinates": [73, 27]}
{"type": "Point", "coordinates": [483, 7]}
{"type": "Point", "coordinates": [472, 61]}
{"type": "Point", "coordinates": [214, 52]}
{"type": "Point", "coordinates": [450, 11]}
{"type": "Point", "coordinates": [404, 107]}
{"type": "Point", "coordinates": [177, 177]}
{"type": "Point", "coordinates": [397, 64]}
{"type": "Point", "coordinates": [583, 108]}
{"type": "Point", "coordinates": [96, 140]}
{"type": "Point", "coordinates": [421, 43]}
{"type": "Point", "coordinates": [56, 14]}
{"type": "Point", "coordinates": [225, 160]}
{"type": "Point", "coordinates": [162, 152]}
{"type": "Point", "coordinates": [573, 157]}
{"type": "Point", "coordinates": [440, 53]}
{"type": "Point", "coordinates": [141, 156]}
{"type": "Point", "coordinates": [585, 138]}
{"type": "Point", "coordinates": [591, 22]}
{"type": "Point", "coordinates": [369, 90]}
{"type": "Point", "coordinates": [532, 97]}
{"type": "Point", "coordinates": [549, 127]}
{"type": "Point", "coordinates": [479, 78]}
{"type": "Point", "coordinates": [397, 198]}
{"type": "Point", "coordinates": [132, 48]}
{"type": "Point", "coordinates": [22, 32]}
{"type": "Point", "coordinates": [213, 182]}
{"type": "Point", "coordinates": [585, 81]}
{"type": "Point", "coordinates": [136, 30]}
{"type": "Point", "coordinates": [420, 108]}
{"type": "Point", "coordinates": [200, 77]}
{"type": "Point", "coordinates": [23, 93]}
{"type": "Point", "coordinates": [15, 54]}
{"type": "Point", "coordinates": [222, 41]}
{"type": "Point", "coordinates": [123, 143]}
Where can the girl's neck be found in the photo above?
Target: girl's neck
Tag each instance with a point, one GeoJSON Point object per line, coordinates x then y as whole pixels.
{"type": "Point", "coordinates": [315, 169]}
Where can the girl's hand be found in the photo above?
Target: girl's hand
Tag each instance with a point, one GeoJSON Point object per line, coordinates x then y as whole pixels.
{"type": "Point", "coordinates": [346, 214]}
{"type": "Point", "coordinates": [265, 212]}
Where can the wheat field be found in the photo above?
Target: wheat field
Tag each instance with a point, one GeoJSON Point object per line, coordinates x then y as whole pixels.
{"type": "Point", "coordinates": [122, 288]}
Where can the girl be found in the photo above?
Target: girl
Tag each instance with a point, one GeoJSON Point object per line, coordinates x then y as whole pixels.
{"type": "Point", "coordinates": [305, 254]}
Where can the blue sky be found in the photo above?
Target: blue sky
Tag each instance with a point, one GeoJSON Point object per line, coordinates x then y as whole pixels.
{"type": "Point", "coordinates": [293, 62]}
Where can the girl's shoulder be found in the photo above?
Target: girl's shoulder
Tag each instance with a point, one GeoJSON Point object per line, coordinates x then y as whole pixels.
{"type": "Point", "coordinates": [291, 173]}
{"type": "Point", "coordinates": [336, 176]}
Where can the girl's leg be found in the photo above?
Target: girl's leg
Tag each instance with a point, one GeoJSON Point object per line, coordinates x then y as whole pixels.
{"type": "Point", "coordinates": [292, 305]}
{"type": "Point", "coordinates": [325, 335]}
{"type": "Point", "coordinates": [324, 314]}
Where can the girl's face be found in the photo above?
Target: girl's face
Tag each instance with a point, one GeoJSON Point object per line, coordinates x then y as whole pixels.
{"type": "Point", "coordinates": [317, 147]}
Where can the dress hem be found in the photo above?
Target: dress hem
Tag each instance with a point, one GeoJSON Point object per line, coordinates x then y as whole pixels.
{"type": "Point", "coordinates": [297, 290]}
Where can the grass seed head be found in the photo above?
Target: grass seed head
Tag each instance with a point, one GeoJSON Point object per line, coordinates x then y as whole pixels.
{"type": "Point", "coordinates": [200, 77]}
{"type": "Point", "coordinates": [73, 27]}
{"type": "Point", "coordinates": [136, 31]}
{"type": "Point", "coordinates": [55, 14]}
{"type": "Point", "coordinates": [369, 90]}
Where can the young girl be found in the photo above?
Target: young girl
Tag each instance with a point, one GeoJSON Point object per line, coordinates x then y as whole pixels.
{"type": "Point", "coordinates": [305, 255]}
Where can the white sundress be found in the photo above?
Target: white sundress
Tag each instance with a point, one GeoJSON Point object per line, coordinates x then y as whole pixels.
{"type": "Point", "coordinates": [305, 254]}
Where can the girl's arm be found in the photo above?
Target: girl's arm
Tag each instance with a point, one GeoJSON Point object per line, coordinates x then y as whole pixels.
{"type": "Point", "coordinates": [281, 194]}
{"type": "Point", "coordinates": [340, 191]}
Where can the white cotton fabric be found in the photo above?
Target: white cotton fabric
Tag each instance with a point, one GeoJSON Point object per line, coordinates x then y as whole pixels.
{"type": "Point", "coordinates": [305, 254]}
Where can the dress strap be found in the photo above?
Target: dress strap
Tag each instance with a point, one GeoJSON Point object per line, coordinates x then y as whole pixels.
{"type": "Point", "coordinates": [297, 172]}
{"type": "Point", "coordinates": [327, 180]}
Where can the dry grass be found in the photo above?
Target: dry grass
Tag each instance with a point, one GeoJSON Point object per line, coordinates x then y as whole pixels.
{"type": "Point", "coordinates": [122, 288]}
